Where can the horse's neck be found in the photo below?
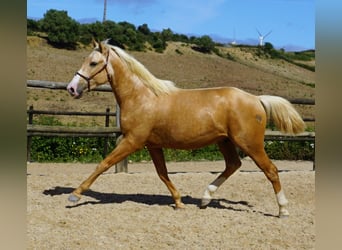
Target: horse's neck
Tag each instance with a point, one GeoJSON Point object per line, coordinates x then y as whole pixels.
{"type": "Point", "coordinates": [126, 86]}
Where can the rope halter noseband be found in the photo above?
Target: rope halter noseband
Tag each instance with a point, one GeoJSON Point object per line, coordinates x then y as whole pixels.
{"type": "Point", "coordinates": [104, 67]}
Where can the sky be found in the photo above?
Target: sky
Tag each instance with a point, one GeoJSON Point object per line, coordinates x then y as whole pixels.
{"type": "Point", "coordinates": [291, 22]}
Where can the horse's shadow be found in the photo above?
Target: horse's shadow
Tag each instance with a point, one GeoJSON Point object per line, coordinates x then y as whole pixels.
{"type": "Point", "coordinates": [151, 199]}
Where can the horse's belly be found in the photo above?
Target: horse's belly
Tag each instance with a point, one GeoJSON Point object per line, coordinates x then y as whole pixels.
{"type": "Point", "coordinates": [182, 138]}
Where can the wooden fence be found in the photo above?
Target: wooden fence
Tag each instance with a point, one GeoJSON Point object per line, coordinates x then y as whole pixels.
{"type": "Point", "coordinates": [114, 132]}
{"type": "Point", "coordinates": [66, 131]}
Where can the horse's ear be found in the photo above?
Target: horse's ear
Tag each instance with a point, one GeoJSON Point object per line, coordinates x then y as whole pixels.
{"type": "Point", "coordinates": [95, 43]}
{"type": "Point", "coordinates": [102, 47]}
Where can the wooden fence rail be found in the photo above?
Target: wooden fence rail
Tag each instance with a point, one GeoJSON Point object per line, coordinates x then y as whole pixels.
{"type": "Point", "coordinates": [62, 85]}
{"type": "Point", "coordinates": [70, 131]}
{"type": "Point", "coordinates": [114, 132]}
{"type": "Point", "coordinates": [63, 131]}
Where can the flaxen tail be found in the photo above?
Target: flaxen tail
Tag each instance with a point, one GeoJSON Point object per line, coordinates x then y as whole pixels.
{"type": "Point", "coordinates": [283, 114]}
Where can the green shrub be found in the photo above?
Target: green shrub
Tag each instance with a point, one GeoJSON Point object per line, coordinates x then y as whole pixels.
{"type": "Point", "coordinates": [290, 150]}
{"type": "Point", "coordinates": [60, 149]}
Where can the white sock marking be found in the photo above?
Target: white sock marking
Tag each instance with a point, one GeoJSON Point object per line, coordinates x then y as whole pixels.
{"type": "Point", "coordinates": [282, 201]}
{"type": "Point", "coordinates": [212, 187]}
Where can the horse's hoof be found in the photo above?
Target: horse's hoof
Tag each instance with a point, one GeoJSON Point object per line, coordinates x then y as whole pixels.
{"type": "Point", "coordinates": [179, 206]}
{"type": "Point", "coordinates": [283, 213]}
{"type": "Point", "coordinates": [283, 216]}
{"type": "Point", "coordinates": [73, 198]}
{"type": "Point", "coordinates": [204, 203]}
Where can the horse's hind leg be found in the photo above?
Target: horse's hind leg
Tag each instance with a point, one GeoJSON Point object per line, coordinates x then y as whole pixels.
{"type": "Point", "coordinates": [159, 163]}
{"type": "Point", "coordinates": [232, 161]}
{"type": "Point", "coordinates": [258, 154]}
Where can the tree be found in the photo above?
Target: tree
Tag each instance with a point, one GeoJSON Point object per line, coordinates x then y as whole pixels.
{"type": "Point", "coordinates": [204, 44]}
{"type": "Point", "coordinates": [32, 26]}
{"type": "Point", "coordinates": [167, 34]}
{"type": "Point", "coordinates": [180, 38]}
{"type": "Point", "coordinates": [144, 29]}
{"type": "Point", "coordinates": [131, 36]}
{"type": "Point", "coordinates": [157, 42]}
{"type": "Point", "coordinates": [268, 46]}
{"type": "Point", "coordinates": [127, 25]}
{"type": "Point", "coordinates": [90, 31]}
{"type": "Point", "coordinates": [270, 51]}
{"type": "Point", "coordinates": [62, 30]}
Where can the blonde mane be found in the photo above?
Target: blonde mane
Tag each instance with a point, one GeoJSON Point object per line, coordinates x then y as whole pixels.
{"type": "Point", "coordinates": [158, 86]}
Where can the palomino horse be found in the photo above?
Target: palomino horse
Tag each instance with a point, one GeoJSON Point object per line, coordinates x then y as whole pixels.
{"type": "Point", "coordinates": [156, 114]}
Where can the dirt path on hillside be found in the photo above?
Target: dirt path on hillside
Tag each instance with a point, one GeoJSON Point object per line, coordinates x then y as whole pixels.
{"type": "Point", "coordinates": [134, 210]}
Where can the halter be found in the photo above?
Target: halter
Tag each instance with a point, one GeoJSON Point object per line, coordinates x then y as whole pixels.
{"type": "Point", "coordinates": [104, 67]}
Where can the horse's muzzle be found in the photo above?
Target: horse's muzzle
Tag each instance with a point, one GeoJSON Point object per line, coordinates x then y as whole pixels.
{"type": "Point", "coordinates": [74, 93]}
{"type": "Point", "coordinates": [74, 88]}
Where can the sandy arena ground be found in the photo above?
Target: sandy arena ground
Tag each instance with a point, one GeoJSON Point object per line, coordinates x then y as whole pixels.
{"type": "Point", "coordinates": [135, 210]}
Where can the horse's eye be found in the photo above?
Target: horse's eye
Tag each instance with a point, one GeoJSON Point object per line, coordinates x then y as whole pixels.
{"type": "Point", "coordinates": [93, 64]}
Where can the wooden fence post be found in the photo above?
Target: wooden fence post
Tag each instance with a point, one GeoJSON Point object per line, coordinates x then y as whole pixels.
{"type": "Point", "coordinates": [314, 160]}
{"type": "Point", "coordinates": [106, 139]}
{"type": "Point", "coordinates": [29, 138]}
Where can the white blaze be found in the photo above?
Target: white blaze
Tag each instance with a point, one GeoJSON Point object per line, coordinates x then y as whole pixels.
{"type": "Point", "coordinates": [74, 84]}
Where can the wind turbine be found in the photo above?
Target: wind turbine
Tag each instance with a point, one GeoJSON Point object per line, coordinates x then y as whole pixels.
{"type": "Point", "coordinates": [262, 37]}
{"type": "Point", "coordinates": [234, 41]}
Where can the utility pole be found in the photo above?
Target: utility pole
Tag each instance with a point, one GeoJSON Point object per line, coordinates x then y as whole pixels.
{"type": "Point", "coordinates": [104, 11]}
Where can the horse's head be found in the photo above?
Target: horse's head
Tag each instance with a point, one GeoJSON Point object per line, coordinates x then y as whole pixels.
{"type": "Point", "coordinates": [94, 71]}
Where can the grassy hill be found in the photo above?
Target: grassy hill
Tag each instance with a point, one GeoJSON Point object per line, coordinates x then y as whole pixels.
{"type": "Point", "coordinates": [241, 67]}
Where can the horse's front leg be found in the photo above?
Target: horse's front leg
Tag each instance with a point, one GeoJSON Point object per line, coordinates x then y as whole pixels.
{"type": "Point", "coordinates": [123, 149]}
{"type": "Point", "coordinates": [159, 163]}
